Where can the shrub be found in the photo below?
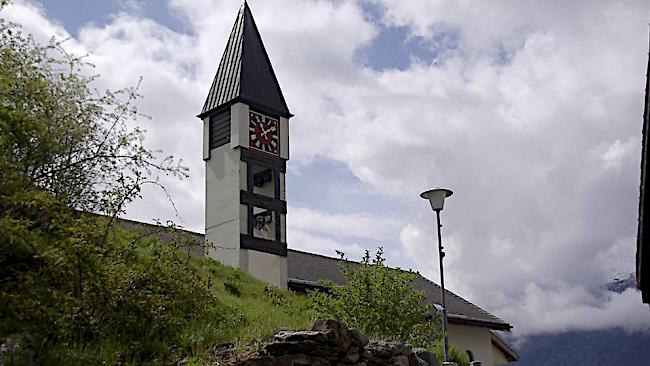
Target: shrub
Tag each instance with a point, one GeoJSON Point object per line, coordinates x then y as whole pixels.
{"type": "Point", "coordinates": [380, 301]}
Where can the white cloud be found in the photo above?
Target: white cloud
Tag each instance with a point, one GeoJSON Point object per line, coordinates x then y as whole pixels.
{"type": "Point", "coordinates": [358, 225]}
{"type": "Point", "coordinates": [33, 18]}
{"type": "Point", "coordinates": [302, 240]}
{"type": "Point", "coordinates": [542, 310]}
{"type": "Point", "coordinates": [533, 122]}
{"type": "Point", "coordinates": [618, 153]}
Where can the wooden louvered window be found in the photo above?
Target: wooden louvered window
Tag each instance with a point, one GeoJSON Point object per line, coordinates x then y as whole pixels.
{"type": "Point", "coordinates": [219, 129]}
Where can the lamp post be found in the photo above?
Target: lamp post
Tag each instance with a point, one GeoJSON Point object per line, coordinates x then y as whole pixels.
{"type": "Point", "coordinates": [436, 198]}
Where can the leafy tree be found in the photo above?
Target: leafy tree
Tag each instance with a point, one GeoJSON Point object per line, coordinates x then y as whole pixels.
{"type": "Point", "coordinates": [380, 301]}
{"type": "Point", "coordinates": [64, 138]}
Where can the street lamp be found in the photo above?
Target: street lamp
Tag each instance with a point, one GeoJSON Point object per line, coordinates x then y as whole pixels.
{"type": "Point", "coordinates": [436, 198]}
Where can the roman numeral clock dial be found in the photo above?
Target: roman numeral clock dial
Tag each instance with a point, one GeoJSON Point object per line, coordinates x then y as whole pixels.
{"type": "Point", "coordinates": [263, 133]}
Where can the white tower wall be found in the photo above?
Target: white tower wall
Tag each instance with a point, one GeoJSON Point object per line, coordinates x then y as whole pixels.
{"type": "Point", "coordinates": [225, 217]}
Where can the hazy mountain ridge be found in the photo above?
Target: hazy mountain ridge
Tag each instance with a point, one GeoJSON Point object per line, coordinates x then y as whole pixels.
{"type": "Point", "coordinates": [606, 347]}
{"type": "Point", "coordinates": [592, 348]}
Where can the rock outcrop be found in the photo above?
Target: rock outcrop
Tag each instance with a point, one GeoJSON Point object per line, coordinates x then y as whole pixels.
{"type": "Point", "coordinates": [331, 343]}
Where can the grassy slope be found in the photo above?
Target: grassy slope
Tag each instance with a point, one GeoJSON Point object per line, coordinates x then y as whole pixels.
{"type": "Point", "coordinates": [259, 312]}
{"type": "Point", "coordinates": [263, 308]}
{"type": "Point", "coordinates": [256, 313]}
{"type": "Point", "coordinates": [247, 312]}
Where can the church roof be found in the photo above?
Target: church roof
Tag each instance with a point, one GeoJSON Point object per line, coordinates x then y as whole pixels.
{"type": "Point", "coordinates": [308, 269]}
{"type": "Point", "coordinates": [245, 73]}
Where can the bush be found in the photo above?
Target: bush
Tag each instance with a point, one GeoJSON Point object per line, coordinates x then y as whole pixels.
{"type": "Point", "coordinates": [455, 355]}
{"type": "Point", "coordinates": [380, 301]}
{"type": "Point", "coordinates": [64, 288]}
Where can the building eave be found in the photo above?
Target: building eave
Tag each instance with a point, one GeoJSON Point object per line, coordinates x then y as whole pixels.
{"type": "Point", "coordinates": [503, 347]}
{"type": "Point", "coordinates": [461, 320]}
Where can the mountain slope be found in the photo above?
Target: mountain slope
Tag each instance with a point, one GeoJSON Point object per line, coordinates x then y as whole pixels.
{"type": "Point", "coordinates": [593, 348]}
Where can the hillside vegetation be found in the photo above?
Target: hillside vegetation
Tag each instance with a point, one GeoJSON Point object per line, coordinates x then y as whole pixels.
{"type": "Point", "coordinates": [132, 299]}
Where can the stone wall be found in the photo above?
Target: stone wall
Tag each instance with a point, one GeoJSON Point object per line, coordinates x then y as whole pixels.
{"type": "Point", "coordinates": [329, 343]}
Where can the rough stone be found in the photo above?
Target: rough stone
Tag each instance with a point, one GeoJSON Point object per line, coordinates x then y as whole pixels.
{"type": "Point", "coordinates": [350, 358]}
{"type": "Point", "coordinates": [400, 360]}
{"type": "Point", "coordinates": [306, 336]}
{"type": "Point", "coordinates": [11, 344]}
{"type": "Point", "coordinates": [329, 343]}
{"type": "Point", "coordinates": [336, 330]}
{"type": "Point", "coordinates": [383, 349]}
{"type": "Point", "coordinates": [307, 347]}
{"type": "Point", "coordinates": [285, 360]}
{"type": "Point", "coordinates": [426, 356]}
{"type": "Point", "coordinates": [358, 339]}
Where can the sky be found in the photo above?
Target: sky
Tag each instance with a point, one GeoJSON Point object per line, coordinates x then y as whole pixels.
{"type": "Point", "coordinates": [530, 111]}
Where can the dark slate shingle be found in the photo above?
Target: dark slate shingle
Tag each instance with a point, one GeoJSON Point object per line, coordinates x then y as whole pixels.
{"type": "Point", "coordinates": [245, 72]}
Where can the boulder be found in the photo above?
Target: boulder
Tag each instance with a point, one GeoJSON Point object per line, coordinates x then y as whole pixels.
{"type": "Point", "coordinates": [426, 356]}
{"type": "Point", "coordinates": [335, 330]}
{"type": "Point", "coordinates": [358, 339]}
{"type": "Point", "coordinates": [383, 349]}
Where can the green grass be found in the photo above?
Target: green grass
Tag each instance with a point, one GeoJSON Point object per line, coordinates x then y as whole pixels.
{"type": "Point", "coordinates": [258, 311]}
{"type": "Point", "coordinates": [157, 305]}
{"type": "Point", "coordinates": [255, 312]}
{"type": "Point", "coordinates": [262, 308]}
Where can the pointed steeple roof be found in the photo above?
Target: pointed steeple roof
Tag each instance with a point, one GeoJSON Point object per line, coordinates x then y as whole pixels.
{"type": "Point", "coordinates": [245, 73]}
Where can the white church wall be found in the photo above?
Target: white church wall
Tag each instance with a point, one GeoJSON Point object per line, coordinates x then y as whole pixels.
{"type": "Point", "coordinates": [238, 125]}
{"type": "Point", "coordinates": [476, 339]}
{"type": "Point", "coordinates": [222, 208]}
{"type": "Point", "coordinates": [268, 267]}
{"type": "Point", "coordinates": [498, 358]}
{"type": "Point", "coordinates": [206, 138]}
{"type": "Point", "coordinates": [284, 138]}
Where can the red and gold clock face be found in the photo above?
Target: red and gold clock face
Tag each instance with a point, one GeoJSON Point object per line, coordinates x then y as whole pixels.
{"type": "Point", "coordinates": [263, 133]}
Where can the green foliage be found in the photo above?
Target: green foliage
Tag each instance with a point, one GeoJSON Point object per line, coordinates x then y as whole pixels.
{"type": "Point", "coordinates": [276, 296]}
{"type": "Point", "coordinates": [62, 137]}
{"type": "Point", "coordinates": [233, 285]}
{"type": "Point", "coordinates": [455, 355]}
{"type": "Point", "coordinates": [62, 286]}
{"type": "Point", "coordinates": [380, 301]}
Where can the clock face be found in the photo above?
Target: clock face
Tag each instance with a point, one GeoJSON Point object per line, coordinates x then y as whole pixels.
{"type": "Point", "coordinates": [263, 133]}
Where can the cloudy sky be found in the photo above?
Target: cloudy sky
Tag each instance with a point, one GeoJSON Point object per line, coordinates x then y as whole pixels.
{"type": "Point", "coordinates": [530, 111]}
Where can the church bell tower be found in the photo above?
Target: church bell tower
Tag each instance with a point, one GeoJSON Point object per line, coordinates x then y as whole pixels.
{"type": "Point", "coordinates": [245, 149]}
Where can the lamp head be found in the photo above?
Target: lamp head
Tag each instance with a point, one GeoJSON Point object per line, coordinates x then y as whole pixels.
{"type": "Point", "coordinates": [436, 197]}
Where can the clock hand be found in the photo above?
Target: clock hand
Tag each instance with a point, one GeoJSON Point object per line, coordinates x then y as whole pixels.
{"type": "Point", "coordinates": [264, 132]}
